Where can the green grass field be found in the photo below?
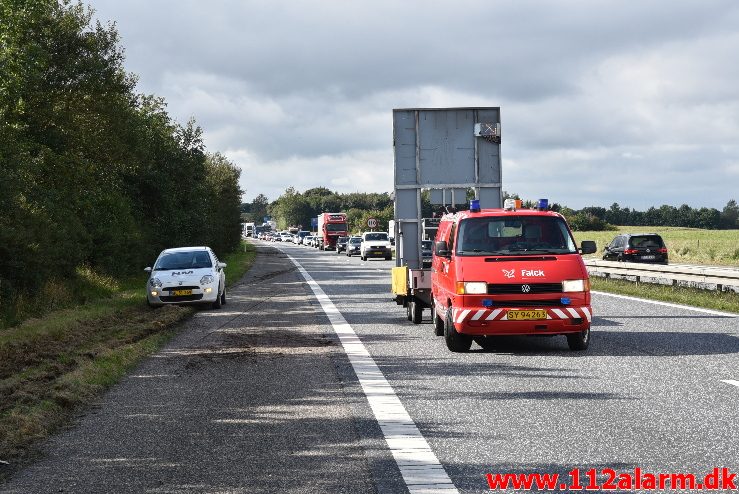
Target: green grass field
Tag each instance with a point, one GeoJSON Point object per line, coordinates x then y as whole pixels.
{"type": "Point", "coordinates": [685, 245]}
{"type": "Point", "coordinates": [60, 360]}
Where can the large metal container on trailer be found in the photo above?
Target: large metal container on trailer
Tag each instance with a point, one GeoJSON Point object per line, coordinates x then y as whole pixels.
{"type": "Point", "coordinates": [447, 151]}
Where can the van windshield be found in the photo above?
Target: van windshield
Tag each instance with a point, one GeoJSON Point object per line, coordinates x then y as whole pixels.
{"type": "Point", "coordinates": [514, 235]}
{"type": "Point", "coordinates": [375, 236]}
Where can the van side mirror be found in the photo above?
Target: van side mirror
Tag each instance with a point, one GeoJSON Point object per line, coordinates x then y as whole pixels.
{"type": "Point", "coordinates": [588, 247]}
{"type": "Point", "coordinates": [441, 249]}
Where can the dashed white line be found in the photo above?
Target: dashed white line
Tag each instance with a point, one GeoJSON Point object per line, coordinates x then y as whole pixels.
{"type": "Point", "coordinates": [421, 470]}
{"type": "Point", "coordinates": [731, 381]}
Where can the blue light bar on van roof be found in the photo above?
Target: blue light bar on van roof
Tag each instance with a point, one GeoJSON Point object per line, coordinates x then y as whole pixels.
{"type": "Point", "coordinates": [475, 206]}
{"type": "Point", "coordinates": [543, 204]}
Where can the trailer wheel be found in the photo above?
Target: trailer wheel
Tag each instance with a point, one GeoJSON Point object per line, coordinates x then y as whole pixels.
{"type": "Point", "coordinates": [455, 341]}
{"type": "Point", "coordinates": [416, 312]}
{"type": "Point", "coordinates": [408, 312]}
{"type": "Point", "coordinates": [579, 341]}
{"type": "Point", "coordinates": [438, 322]}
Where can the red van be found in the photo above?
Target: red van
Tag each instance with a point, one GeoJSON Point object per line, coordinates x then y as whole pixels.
{"type": "Point", "coordinates": [509, 272]}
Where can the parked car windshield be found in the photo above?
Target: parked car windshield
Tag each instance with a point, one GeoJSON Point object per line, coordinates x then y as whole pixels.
{"type": "Point", "coordinates": [196, 259]}
{"type": "Point", "coordinates": [376, 236]}
{"type": "Point", "coordinates": [514, 235]}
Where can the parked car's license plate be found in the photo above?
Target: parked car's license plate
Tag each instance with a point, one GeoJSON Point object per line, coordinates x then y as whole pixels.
{"type": "Point", "coordinates": [179, 293]}
{"type": "Point", "coordinates": [526, 315]}
{"type": "Point", "coordinates": [649, 258]}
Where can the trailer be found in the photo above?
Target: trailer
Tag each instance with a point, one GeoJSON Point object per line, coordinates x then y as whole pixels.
{"type": "Point", "coordinates": [448, 151]}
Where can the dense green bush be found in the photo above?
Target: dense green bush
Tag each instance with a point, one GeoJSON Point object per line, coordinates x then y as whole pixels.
{"type": "Point", "coordinates": [92, 173]}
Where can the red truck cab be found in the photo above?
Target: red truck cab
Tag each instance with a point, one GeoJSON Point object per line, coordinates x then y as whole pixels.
{"type": "Point", "coordinates": [509, 272]}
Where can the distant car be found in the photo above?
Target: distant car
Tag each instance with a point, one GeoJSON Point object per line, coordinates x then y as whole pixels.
{"type": "Point", "coordinates": [353, 246]}
{"type": "Point", "coordinates": [186, 275]}
{"type": "Point", "coordinates": [341, 244]}
{"type": "Point", "coordinates": [426, 253]}
{"type": "Point", "coordinates": [375, 244]}
{"type": "Point", "coordinates": [307, 239]}
{"type": "Point", "coordinates": [286, 237]}
{"type": "Point", "coordinates": [636, 247]}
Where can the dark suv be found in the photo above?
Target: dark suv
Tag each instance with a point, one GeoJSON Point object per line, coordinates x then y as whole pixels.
{"type": "Point", "coordinates": [636, 247]}
{"type": "Point", "coordinates": [341, 244]}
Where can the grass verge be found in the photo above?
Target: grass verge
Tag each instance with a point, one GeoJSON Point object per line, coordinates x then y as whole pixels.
{"type": "Point", "coordinates": [721, 301]}
{"type": "Point", "coordinates": [53, 366]}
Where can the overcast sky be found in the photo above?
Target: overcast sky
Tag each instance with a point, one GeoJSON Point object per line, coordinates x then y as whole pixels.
{"type": "Point", "coordinates": [601, 101]}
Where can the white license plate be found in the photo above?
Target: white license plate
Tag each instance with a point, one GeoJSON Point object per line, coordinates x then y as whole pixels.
{"type": "Point", "coordinates": [649, 258]}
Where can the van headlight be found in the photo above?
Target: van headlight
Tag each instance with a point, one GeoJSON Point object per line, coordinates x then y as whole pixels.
{"type": "Point", "coordinates": [575, 285]}
{"type": "Point", "coordinates": [207, 279]}
{"type": "Point", "coordinates": [155, 283]}
{"type": "Point", "coordinates": [472, 288]}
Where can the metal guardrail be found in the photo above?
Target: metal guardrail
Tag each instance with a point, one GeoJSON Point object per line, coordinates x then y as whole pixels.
{"type": "Point", "coordinates": [701, 276]}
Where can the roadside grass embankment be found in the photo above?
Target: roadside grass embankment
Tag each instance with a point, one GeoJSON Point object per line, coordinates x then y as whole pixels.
{"type": "Point", "coordinates": [695, 297]}
{"type": "Point", "coordinates": [685, 246]}
{"type": "Point", "coordinates": [54, 365]}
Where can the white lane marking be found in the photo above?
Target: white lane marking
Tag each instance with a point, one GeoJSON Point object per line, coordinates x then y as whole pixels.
{"type": "Point", "coordinates": [730, 381]}
{"type": "Point", "coordinates": [419, 466]}
{"type": "Point", "coordinates": [668, 304]}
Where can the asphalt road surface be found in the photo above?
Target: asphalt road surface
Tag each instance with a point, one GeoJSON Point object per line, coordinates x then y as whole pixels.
{"type": "Point", "coordinates": [261, 397]}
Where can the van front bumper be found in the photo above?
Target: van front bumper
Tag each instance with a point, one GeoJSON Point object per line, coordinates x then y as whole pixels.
{"type": "Point", "coordinates": [495, 321]}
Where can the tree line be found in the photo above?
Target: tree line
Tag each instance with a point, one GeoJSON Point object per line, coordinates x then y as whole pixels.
{"type": "Point", "coordinates": [91, 172]}
{"type": "Point", "coordinates": [293, 208]}
{"type": "Point", "coordinates": [599, 218]}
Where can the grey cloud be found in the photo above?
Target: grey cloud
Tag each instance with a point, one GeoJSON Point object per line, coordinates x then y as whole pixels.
{"type": "Point", "coordinates": [589, 90]}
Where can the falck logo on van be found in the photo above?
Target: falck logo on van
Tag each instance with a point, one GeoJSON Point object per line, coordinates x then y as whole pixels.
{"type": "Point", "coordinates": [176, 273]}
{"type": "Point", "coordinates": [532, 272]}
{"type": "Point", "coordinates": [509, 273]}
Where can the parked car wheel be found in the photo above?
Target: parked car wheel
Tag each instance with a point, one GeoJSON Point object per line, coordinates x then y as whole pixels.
{"type": "Point", "coordinates": [218, 303]}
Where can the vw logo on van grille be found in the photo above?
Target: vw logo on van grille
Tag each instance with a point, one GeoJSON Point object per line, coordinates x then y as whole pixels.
{"type": "Point", "coordinates": [525, 288]}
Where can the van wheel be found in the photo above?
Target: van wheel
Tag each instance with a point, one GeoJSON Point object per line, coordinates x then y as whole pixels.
{"type": "Point", "coordinates": [416, 312]}
{"type": "Point", "coordinates": [579, 341]}
{"type": "Point", "coordinates": [223, 297]}
{"type": "Point", "coordinates": [408, 312]}
{"type": "Point", "coordinates": [438, 322]}
{"type": "Point", "coordinates": [455, 341]}
{"type": "Point", "coordinates": [485, 342]}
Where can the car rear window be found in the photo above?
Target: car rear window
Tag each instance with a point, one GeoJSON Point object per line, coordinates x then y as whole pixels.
{"type": "Point", "coordinates": [646, 241]}
{"type": "Point", "coordinates": [197, 259]}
